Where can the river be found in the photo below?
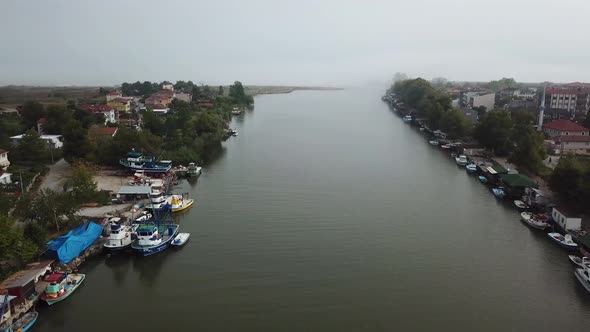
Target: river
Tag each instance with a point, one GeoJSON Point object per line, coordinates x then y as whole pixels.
{"type": "Point", "coordinates": [328, 213]}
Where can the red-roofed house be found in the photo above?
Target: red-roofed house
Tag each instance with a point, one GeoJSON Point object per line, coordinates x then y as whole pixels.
{"type": "Point", "coordinates": [158, 100]}
{"type": "Point", "coordinates": [564, 128]}
{"type": "Point", "coordinates": [579, 144]}
{"type": "Point", "coordinates": [114, 95]}
{"type": "Point", "coordinates": [160, 109]}
{"type": "Point", "coordinates": [108, 111]}
{"type": "Point", "coordinates": [96, 132]}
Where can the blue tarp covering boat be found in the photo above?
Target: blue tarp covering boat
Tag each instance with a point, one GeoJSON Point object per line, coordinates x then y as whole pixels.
{"type": "Point", "coordinates": [69, 246]}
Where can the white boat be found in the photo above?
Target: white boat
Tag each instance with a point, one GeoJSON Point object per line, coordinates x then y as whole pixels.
{"type": "Point", "coordinates": [180, 239]}
{"type": "Point", "coordinates": [407, 118]}
{"type": "Point", "coordinates": [120, 237]}
{"type": "Point", "coordinates": [446, 146]}
{"type": "Point", "coordinates": [157, 192]}
{"type": "Point", "coordinates": [461, 160]}
{"type": "Point", "coordinates": [434, 142]}
{"type": "Point", "coordinates": [145, 216]}
{"type": "Point", "coordinates": [529, 219]}
{"type": "Point", "coordinates": [563, 240]}
{"type": "Point", "coordinates": [581, 262]}
{"type": "Point", "coordinates": [471, 168]}
{"type": "Point", "coordinates": [520, 204]}
{"type": "Point", "coordinates": [583, 276]}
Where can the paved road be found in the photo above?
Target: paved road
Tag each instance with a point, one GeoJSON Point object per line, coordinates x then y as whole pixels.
{"type": "Point", "coordinates": [57, 176]}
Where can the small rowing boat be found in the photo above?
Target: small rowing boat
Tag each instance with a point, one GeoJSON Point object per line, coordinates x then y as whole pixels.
{"type": "Point", "coordinates": [180, 239]}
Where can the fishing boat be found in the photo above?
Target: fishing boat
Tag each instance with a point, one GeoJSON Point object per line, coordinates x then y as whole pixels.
{"type": "Point", "coordinates": [23, 324]}
{"type": "Point", "coordinates": [583, 276]}
{"type": "Point", "coordinates": [61, 286]}
{"type": "Point", "coordinates": [471, 168]}
{"type": "Point", "coordinates": [152, 238]}
{"type": "Point", "coordinates": [180, 239]}
{"type": "Point", "coordinates": [120, 237]}
{"type": "Point", "coordinates": [531, 220]}
{"type": "Point", "coordinates": [482, 179]}
{"type": "Point", "coordinates": [520, 204]}
{"type": "Point", "coordinates": [434, 142]}
{"type": "Point", "coordinates": [461, 160]}
{"type": "Point", "coordinates": [563, 240]}
{"type": "Point", "coordinates": [407, 118]}
{"type": "Point", "coordinates": [499, 192]}
{"type": "Point", "coordinates": [193, 170]}
{"type": "Point", "coordinates": [136, 161]}
{"type": "Point", "coordinates": [581, 262]}
{"type": "Point", "coordinates": [178, 202]}
{"type": "Point", "coordinates": [157, 192]}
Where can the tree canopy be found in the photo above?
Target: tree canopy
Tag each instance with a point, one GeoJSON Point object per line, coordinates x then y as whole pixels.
{"type": "Point", "coordinates": [571, 181]}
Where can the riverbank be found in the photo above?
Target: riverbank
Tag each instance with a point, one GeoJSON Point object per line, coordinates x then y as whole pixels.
{"type": "Point", "coordinates": [255, 90]}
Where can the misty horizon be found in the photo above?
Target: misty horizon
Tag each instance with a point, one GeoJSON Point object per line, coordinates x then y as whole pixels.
{"type": "Point", "coordinates": [339, 44]}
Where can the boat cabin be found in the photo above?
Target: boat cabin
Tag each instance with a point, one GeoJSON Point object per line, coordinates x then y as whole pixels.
{"type": "Point", "coordinates": [492, 173]}
{"type": "Point", "coordinates": [567, 220]}
{"type": "Point", "coordinates": [535, 198]}
{"type": "Point", "coordinates": [9, 310]}
{"type": "Point", "coordinates": [148, 235]}
{"type": "Point", "coordinates": [584, 244]}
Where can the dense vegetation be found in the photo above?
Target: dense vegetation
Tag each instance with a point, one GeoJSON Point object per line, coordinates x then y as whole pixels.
{"type": "Point", "coordinates": [571, 181]}
{"type": "Point", "coordinates": [432, 104]}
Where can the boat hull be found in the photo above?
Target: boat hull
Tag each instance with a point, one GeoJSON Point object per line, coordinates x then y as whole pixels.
{"type": "Point", "coordinates": [188, 204]}
{"type": "Point", "coordinates": [116, 250]}
{"type": "Point", "coordinates": [482, 179]}
{"type": "Point", "coordinates": [51, 301]}
{"type": "Point", "coordinates": [563, 245]}
{"type": "Point", "coordinates": [579, 273]}
{"type": "Point", "coordinates": [151, 250]}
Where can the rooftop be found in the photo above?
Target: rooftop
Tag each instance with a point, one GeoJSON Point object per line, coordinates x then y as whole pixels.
{"type": "Point", "coordinates": [564, 125]}
{"type": "Point", "coordinates": [573, 138]}
{"type": "Point", "coordinates": [97, 108]}
{"type": "Point", "coordinates": [134, 190]}
{"type": "Point", "coordinates": [23, 277]}
{"type": "Point", "coordinates": [121, 100]}
{"type": "Point", "coordinates": [561, 92]}
{"type": "Point", "coordinates": [518, 180]}
{"type": "Point", "coordinates": [97, 131]}
{"type": "Point", "coordinates": [3, 151]}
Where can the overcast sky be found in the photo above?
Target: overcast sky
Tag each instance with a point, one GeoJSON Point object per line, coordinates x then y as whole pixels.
{"type": "Point", "coordinates": [303, 42]}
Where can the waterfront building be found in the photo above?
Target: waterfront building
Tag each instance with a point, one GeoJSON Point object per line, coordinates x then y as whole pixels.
{"type": "Point", "coordinates": [52, 141]}
{"type": "Point", "coordinates": [114, 95]}
{"type": "Point", "coordinates": [475, 99]}
{"type": "Point", "coordinates": [4, 162]}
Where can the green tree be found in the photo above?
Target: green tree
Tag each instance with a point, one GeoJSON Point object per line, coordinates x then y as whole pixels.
{"type": "Point", "coordinates": [57, 116]}
{"type": "Point", "coordinates": [570, 180]}
{"type": "Point", "coordinates": [76, 143]}
{"type": "Point", "coordinates": [153, 123]}
{"type": "Point", "coordinates": [83, 186]}
{"type": "Point", "coordinates": [31, 149]}
{"type": "Point", "coordinates": [36, 232]}
{"type": "Point", "coordinates": [494, 131]}
{"type": "Point", "coordinates": [52, 209]}
{"type": "Point", "coordinates": [220, 90]}
{"type": "Point", "coordinates": [15, 249]}
{"type": "Point", "coordinates": [454, 123]}
{"type": "Point", "coordinates": [31, 112]}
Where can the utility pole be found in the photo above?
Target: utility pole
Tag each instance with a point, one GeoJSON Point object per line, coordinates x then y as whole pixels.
{"type": "Point", "coordinates": [22, 189]}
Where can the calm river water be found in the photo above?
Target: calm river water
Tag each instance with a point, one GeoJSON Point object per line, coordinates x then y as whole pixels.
{"type": "Point", "coordinates": [328, 213]}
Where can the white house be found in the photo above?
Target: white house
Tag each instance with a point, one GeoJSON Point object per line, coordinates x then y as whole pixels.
{"type": "Point", "coordinates": [168, 86]}
{"type": "Point", "coordinates": [4, 163]}
{"type": "Point", "coordinates": [565, 219]}
{"type": "Point", "coordinates": [183, 96]}
{"type": "Point", "coordinates": [109, 112]}
{"type": "Point", "coordinates": [5, 178]}
{"type": "Point", "coordinates": [52, 141]}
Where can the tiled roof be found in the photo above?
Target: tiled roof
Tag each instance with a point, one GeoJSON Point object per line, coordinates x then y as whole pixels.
{"type": "Point", "coordinates": [114, 93]}
{"type": "Point", "coordinates": [3, 151]}
{"type": "Point", "coordinates": [42, 120]}
{"type": "Point", "coordinates": [564, 125]}
{"type": "Point", "coordinates": [561, 92]}
{"type": "Point", "coordinates": [102, 131]}
{"type": "Point", "coordinates": [159, 107]}
{"type": "Point", "coordinates": [121, 100]}
{"type": "Point", "coordinates": [166, 92]}
{"type": "Point", "coordinates": [97, 108]}
{"type": "Point", "coordinates": [573, 138]}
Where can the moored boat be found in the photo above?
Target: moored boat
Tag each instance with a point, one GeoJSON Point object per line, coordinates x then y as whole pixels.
{"type": "Point", "coordinates": [563, 240]}
{"type": "Point", "coordinates": [499, 192]}
{"type": "Point", "coordinates": [193, 170]}
{"type": "Point", "coordinates": [482, 179]}
{"type": "Point", "coordinates": [153, 238]}
{"type": "Point", "coordinates": [531, 220]}
{"type": "Point", "coordinates": [136, 161]}
{"type": "Point", "coordinates": [180, 239]}
{"type": "Point", "coordinates": [471, 168]}
{"type": "Point", "coordinates": [581, 262]}
{"type": "Point", "coordinates": [520, 204]}
{"type": "Point", "coordinates": [120, 237]}
{"type": "Point", "coordinates": [23, 324]}
{"type": "Point", "coordinates": [434, 142]}
{"type": "Point", "coordinates": [461, 160]}
{"type": "Point", "coordinates": [61, 286]}
{"type": "Point", "coordinates": [583, 276]}
{"type": "Point", "coordinates": [407, 118]}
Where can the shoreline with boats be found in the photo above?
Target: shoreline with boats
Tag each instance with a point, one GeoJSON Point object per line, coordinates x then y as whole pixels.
{"type": "Point", "coordinates": [537, 211]}
{"type": "Point", "coordinates": [148, 228]}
